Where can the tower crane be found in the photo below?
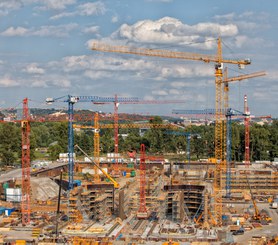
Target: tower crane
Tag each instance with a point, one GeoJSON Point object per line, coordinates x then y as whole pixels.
{"type": "Point", "coordinates": [246, 133]}
{"type": "Point", "coordinates": [26, 165]}
{"type": "Point", "coordinates": [97, 127]}
{"type": "Point", "coordinates": [225, 129]}
{"type": "Point", "coordinates": [219, 61]}
{"type": "Point", "coordinates": [226, 82]}
{"type": "Point", "coordinates": [188, 139]}
{"type": "Point", "coordinates": [96, 143]}
{"type": "Point", "coordinates": [71, 100]}
{"type": "Point", "coordinates": [142, 211]}
{"type": "Point", "coordinates": [116, 122]}
{"type": "Point", "coordinates": [229, 114]}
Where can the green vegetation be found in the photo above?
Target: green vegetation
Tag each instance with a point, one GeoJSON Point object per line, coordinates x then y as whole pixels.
{"type": "Point", "coordinates": [53, 136]}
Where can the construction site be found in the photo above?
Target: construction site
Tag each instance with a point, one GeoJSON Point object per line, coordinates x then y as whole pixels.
{"type": "Point", "coordinates": [143, 199]}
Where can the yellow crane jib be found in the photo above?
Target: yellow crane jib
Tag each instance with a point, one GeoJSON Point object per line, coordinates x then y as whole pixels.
{"type": "Point", "coordinates": [98, 46]}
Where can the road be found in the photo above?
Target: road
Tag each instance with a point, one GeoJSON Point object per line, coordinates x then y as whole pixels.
{"type": "Point", "coordinates": [266, 230]}
{"type": "Point", "coordinates": [9, 175]}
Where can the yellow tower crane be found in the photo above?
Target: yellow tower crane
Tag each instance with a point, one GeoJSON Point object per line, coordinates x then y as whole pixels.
{"type": "Point", "coordinates": [219, 119]}
{"type": "Point", "coordinates": [96, 146]}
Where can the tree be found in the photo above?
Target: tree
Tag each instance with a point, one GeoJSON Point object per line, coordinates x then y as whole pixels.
{"type": "Point", "coordinates": [273, 150]}
{"type": "Point", "coordinates": [106, 141]}
{"type": "Point", "coordinates": [259, 142]}
{"type": "Point", "coordinates": [132, 141]}
{"type": "Point", "coordinates": [155, 136]}
{"type": "Point", "coordinates": [237, 142]}
{"type": "Point", "coordinates": [54, 151]}
{"type": "Point", "coordinates": [85, 141]}
{"type": "Point", "coordinates": [10, 146]}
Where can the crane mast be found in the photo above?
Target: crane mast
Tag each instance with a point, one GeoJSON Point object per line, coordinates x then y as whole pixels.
{"type": "Point", "coordinates": [116, 136]}
{"type": "Point", "coordinates": [26, 182]}
{"type": "Point", "coordinates": [219, 118]}
{"type": "Point", "coordinates": [71, 100]}
{"type": "Point", "coordinates": [142, 211]}
{"type": "Point", "coordinates": [96, 145]}
{"type": "Point", "coordinates": [247, 134]}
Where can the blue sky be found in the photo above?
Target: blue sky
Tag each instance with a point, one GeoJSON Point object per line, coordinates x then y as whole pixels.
{"type": "Point", "coordinates": [45, 51]}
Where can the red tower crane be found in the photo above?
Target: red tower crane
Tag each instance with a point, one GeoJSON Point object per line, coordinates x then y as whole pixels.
{"type": "Point", "coordinates": [247, 134]}
{"type": "Point", "coordinates": [26, 183]}
{"type": "Point", "coordinates": [142, 211]}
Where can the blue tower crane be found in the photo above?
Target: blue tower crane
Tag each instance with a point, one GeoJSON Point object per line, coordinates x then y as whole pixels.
{"type": "Point", "coordinates": [188, 139]}
{"type": "Point", "coordinates": [71, 100]}
{"type": "Point", "coordinates": [228, 113]}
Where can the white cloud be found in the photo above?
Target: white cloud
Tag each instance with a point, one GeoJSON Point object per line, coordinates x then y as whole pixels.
{"type": "Point", "coordinates": [62, 15]}
{"type": "Point", "coordinates": [96, 8]}
{"type": "Point", "coordinates": [14, 31]}
{"type": "Point", "coordinates": [163, 1]}
{"type": "Point", "coordinates": [53, 4]}
{"type": "Point", "coordinates": [34, 69]}
{"type": "Point", "coordinates": [243, 41]}
{"type": "Point", "coordinates": [91, 30]}
{"type": "Point", "coordinates": [272, 75]}
{"type": "Point", "coordinates": [7, 5]}
{"type": "Point", "coordinates": [10, 4]}
{"type": "Point", "coordinates": [247, 21]}
{"type": "Point", "coordinates": [58, 31]}
{"type": "Point", "coordinates": [94, 75]}
{"type": "Point", "coordinates": [175, 92]}
{"type": "Point", "coordinates": [172, 31]}
{"type": "Point", "coordinates": [63, 83]}
{"type": "Point", "coordinates": [39, 84]}
{"type": "Point", "coordinates": [73, 63]}
{"type": "Point", "coordinates": [229, 16]}
{"type": "Point", "coordinates": [160, 92]}
{"type": "Point", "coordinates": [98, 67]}
{"type": "Point", "coordinates": [183, 71]}
{"type": "Point", "coordinates": [115, 19]}
{"type": "Point", "coordinates": [6, 81]}
{"type": "Point", "coordinates": [86, 9]}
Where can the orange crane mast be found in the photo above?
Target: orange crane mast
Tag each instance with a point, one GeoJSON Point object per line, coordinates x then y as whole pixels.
{"type": "Point", "coordinates": [219, 118]}
{"type": "Point", "coordinates": [26, 165]}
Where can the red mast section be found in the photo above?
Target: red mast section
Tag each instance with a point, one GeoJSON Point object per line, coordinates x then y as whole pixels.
{"type": "Point", "coordinates": [26, 184]}
{"type": "Point", "coordinates": [247, 133]}
{"type": "Point", "coordinates": [116, 137]}
{"type": "Point", "coordinates": [142, 212]}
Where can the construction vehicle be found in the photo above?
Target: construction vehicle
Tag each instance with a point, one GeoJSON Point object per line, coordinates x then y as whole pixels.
{"type": "Point", "coordinates": [115, 183]}
{"type": "Point", "coordinates": [257, 216]}
{"type": "Point", "coordinates": [274, 205]}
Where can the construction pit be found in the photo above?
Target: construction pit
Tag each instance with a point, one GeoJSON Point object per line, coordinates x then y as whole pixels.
{"type": "Point", "coordinates": [178, 200]}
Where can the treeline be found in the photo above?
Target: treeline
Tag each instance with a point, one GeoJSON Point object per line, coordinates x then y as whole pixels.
{"type": "Point", "coordinates": [54, 137]}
